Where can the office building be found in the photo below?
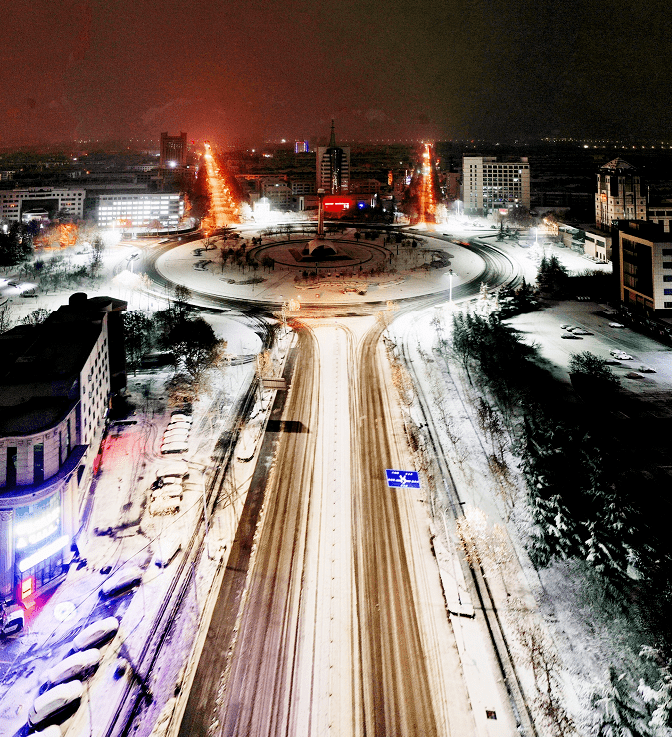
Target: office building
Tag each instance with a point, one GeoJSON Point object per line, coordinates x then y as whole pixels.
{"type": "Point", "coordinates": [15, 203]}
{"type": "Point", "coordinates": [301, 147]}
{"type": "Point", "coordinates": [333, 166]}
{"type": "Point", "coordinates": [644, 263]}
{"type": "Point", "coordinates": [56, 381]}
{"type": "Point", "coordinates": [494, 186]}
{"type": "Point", "coordinates": [173, 151]}
{"type": "Point", "coordinates": [620, 194]}
{"type": "Point", "coordinates": [139, 210]}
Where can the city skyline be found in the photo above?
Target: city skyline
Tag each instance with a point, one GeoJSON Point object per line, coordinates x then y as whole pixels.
{"type": "Point", "coordinates": [120, 69]}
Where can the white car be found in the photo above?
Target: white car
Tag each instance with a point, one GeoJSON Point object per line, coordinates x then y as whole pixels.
{"type": "Point", "coordinates": [179, 425]}
{"type": "Point", "coordinates": [581, 331]}
{"type": "Point", "coordinates": [621, 355]}
{"type": "Point", "coordinates": [162, 507]}
{"type": "Point", "coordinates": [79, 665]}
{"type": "Point", "coordinates": [178, 433]}
{"type": "Point", "coordinates": [55, 702]}
{"type": "Point", "coordinates": [95, 633]}
{"type": "Point", "coordinates": [616, 325]}
{"type": "Point", "coordinates": [178, 469]}
{"type": "Point", "coordinates": [121, 580]}
{"type": "Point", "coordinates": [174, 446]}
{"type": "Point", "coordinates": [180, 416]}
{"type": "Point", "coordinates": [168, 549]}
{"type": "Point", "coordinates": [168, 491]}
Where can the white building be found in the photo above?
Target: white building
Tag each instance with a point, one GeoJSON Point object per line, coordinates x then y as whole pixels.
{"type": "Point", "coordinates": [55, 387]}
{"type": "Point", "coordinates": [489, 185]}
{"type": "Point", "coordinates": [14, 202]}
{"type": "Point", "coordinates": [620, 194]}
{"type": "Point", "coordinates": [139, 210]}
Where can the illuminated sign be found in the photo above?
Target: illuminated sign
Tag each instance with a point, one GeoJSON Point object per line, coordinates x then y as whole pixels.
{"type": "Point", "coordinates": [26, 587]}
{"type": "Point", "coordinates": [37, 522]}
{"type": "Point", "coordinates": [43, 553]}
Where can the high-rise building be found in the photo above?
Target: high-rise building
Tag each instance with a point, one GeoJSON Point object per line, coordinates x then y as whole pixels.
{"type": "Point", "coordinates": [620, 194]}
{"type": "Point", "coordinates": [301, 147]}
{"type": "Point", "coordinates": [333, 166]}
{"type": "Point", "coordinates": [489, 185]}
{"type": "Point", "coordinates": [173, 150]}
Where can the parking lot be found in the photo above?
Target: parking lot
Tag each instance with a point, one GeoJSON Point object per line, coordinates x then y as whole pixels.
{"type": "Point", "coordinates": [544, 328]}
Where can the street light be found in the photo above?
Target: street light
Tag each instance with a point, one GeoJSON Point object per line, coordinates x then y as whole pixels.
{"type": "Point", "coordinates": [451, 274]}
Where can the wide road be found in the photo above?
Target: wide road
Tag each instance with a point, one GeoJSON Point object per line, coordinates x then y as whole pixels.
{"type": "Point", "coordinates": [341, 628]}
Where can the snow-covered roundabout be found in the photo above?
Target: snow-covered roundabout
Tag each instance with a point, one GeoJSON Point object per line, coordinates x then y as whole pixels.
{"type": "Point", "coordinates": [340, 271]}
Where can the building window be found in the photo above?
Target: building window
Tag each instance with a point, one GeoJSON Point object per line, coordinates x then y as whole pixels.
{"type": "Point", "coordinates": [667, 292]}
{"type": "Point", "coordinates": [11, 467]}
{"type": "Point", "coordinates": [667, 264]}
{"type": "Point", "coordinates": [667, 277]}
{"type": "Point", "coordinates": [38, 463]}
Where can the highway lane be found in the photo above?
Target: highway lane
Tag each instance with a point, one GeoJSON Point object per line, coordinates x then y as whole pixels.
{"type": "Point", "coordinates": [258, 690]}
{"type": "Point", "coordinates": [336, 632]}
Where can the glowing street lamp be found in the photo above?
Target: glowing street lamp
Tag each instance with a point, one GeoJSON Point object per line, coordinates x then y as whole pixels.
{"type": "Point", "coordinates": [451, 274]}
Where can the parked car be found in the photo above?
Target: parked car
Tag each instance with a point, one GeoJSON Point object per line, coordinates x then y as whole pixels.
{"type": "Point", "coordinates": [621, 355]}
{"type": "Point", "coordinates": [180, 416]}
{"type": "Point", "coordinates": [96, 634]}
{"type": "Point", "coordinates": [581, 331]}
{"type": "Point", "coordinates": [120, 581]}
{"type": "Point", "coordinates": [56, 703]}
{"type": "Point", "coordinates": [616, 325]}
{"type": "Point", "coordinates": [565, 326]}
{"type": "Point", "coordinates": [179, 425]}
{"type": "Point", "coordinates": [53, 730]}
{"type": "Point", "coordinates": [168, 491]}
{"type": "Point", "coordinates": [168, 549]}
{"type": "Point", "coordinates": [163, 506]}
{"type": "Point", "coordinates": [174, 446]}
{"type": "Point", "coordinates": [178, 469]}
{"type": "Point", "coordinates": [79, 666]}
{"type": "Point", "coordinates": [178, 433]}
{"type": "Point", "coordinates": [571, 336]}
{"type": "Point", "coordinates": [647, 370]}
{"type": "Point", "coordinates": [11, 619]}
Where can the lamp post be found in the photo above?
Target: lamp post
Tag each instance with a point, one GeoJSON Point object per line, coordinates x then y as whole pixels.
{"type": "Point", "coordinates": [451, 274]}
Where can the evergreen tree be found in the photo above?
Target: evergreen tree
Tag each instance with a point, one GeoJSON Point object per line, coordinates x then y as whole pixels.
{"type": "Point", "coordinates": [619, 712]}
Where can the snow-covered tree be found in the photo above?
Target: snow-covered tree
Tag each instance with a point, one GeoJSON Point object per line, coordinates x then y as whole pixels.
{"type": "Point", "coordinates": [619, 710]}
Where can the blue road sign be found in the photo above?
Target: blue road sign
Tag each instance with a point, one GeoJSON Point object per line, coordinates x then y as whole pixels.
{"type": "Point", "coordinates": [402, 479]}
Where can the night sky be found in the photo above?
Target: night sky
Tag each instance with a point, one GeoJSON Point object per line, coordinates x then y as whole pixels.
{"type": "Point", "coordinates": [253, 71]}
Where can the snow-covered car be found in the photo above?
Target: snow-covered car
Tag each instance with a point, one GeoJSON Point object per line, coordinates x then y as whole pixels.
{"type": "Point", "coordinates": [581, 331]}
{"type": "Point", "coordinates": [168, 491]}
{"type": "Point", "coordinates": [180, 416]}
{"type": "Point", "coordinates": [565, 326]}
{"type": "Point", "coordinates": [120, 581]}
{"type": "Point", "coordinates": [178, 424]}
{"type": "Point", "coordinates": [647, 370]}
{"type": "Point", "coordinates": [167, 550]}
{"type": "Point", "coordinates": [178, 469]}
{"type": "Point", "coordinates": [616, 325]}
{"type": "Point", "coordinates": [57, 702]}
{"type": "Point", "coordinates": [178, 433]}
{"type": "Point", "coordinates": [95, 634]}
{"type": "Point", "coordinates": [79, 665]}
{"type": "Point", "coordinates": [174, 446]}
{"type": "Point", "coordinates": [571, 336]}
{"type": "Point", "coordinates": [163, 507]}
{"type": "Point", "coordinates": [53, 730]}
{"type": "Point", "coordinates": [621, 355]}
